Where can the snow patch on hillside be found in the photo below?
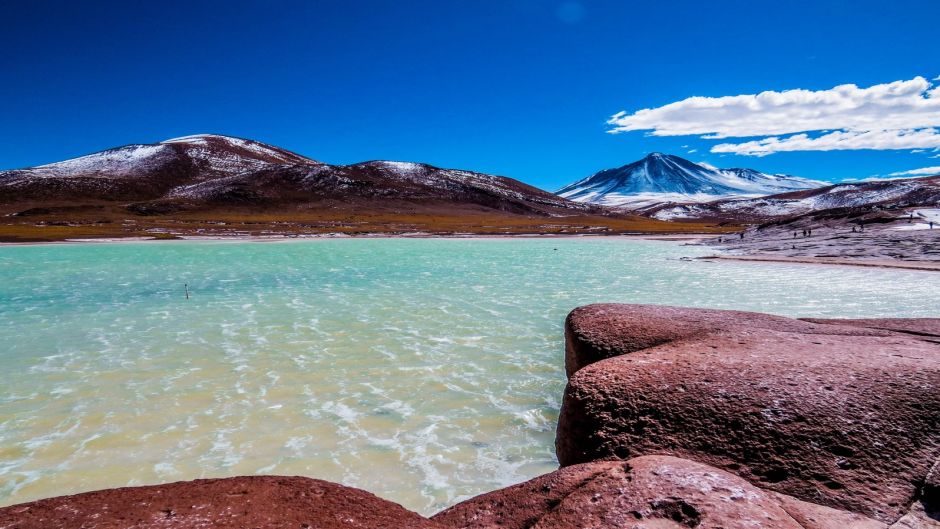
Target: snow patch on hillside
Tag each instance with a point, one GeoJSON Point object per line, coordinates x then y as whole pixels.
{"type": "Point", "coordinates": [456, 180]}
{"type": "Point", "coordinates": [840, 196]}
{"type": "Point", "coordinates": [662, 178]}
{"type": "Point", "coordinates": [921, 220]}
{"type": "Point", "coordinates": [193, 139]}
{"type": "Point", "coordinates": [228, 155]}
{"type": "Point", "coordinates": [114, 162]}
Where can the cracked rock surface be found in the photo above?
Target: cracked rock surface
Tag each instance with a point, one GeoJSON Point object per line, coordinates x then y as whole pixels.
{"type": "Point", "coordinates": [648, 492]}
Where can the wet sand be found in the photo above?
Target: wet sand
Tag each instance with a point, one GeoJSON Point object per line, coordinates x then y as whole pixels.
{"type": "Point", "coordinates": [929, 266]}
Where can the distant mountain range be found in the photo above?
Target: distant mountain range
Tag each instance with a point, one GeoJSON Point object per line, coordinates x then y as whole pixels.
{"type": "Point", "coordinates": [845, 199]}
{"type": "Point", "coordinates": [221, 171]}
{"type": "Point", "coordinates": [663, 178]}
{"type": "Point", "coordinates": [195, 184]}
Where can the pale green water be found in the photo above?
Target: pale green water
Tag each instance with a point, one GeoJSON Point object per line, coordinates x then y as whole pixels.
{"type": "Point", "coordinates": [425, 371]}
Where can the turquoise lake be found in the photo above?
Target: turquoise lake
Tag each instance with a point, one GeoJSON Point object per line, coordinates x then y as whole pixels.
{"type": "Point", "coordinates": [423, 370]}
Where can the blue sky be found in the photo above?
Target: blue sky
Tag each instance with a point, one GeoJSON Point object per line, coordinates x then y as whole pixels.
{"type": "Point", "coordinates": [522, 88]}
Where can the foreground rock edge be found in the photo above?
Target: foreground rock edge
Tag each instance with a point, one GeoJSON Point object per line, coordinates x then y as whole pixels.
{"type": "Point", "coordinates": [238, 502]}
{"type": "Point", "coordinates": [651, 492]}
{"type": "Point", "coordinates": [644, 492]}
{"type": "Point", "coordinates": [837, 412]}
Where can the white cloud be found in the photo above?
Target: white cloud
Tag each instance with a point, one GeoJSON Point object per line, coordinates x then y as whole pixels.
{"type": "Point", "coordinates": [877, 178]}
{"type": "Point", "coordinates": [923, 171]}
{"type": "Point", "coordinates": [896, 115]}
{"type": "Point", "coordinates": [836, 141]}
{"type": "Point", "coordinates": [692, 151]}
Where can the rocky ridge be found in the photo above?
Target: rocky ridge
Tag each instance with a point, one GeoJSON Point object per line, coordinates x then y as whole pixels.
{"type": "Point", "coordinates": [220, 186]}
{"type": "Point", "coordinates": [210, 171]}
{"type": "Point", "coordinates": [849, 200]}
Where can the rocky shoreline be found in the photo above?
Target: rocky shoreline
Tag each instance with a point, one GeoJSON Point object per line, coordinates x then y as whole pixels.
{"type": "Point", "coordinates": [907, 238]}
{"type": "Point", "coordinates": [926, 266]}
{"type": "Point", "coordinates": [672, 418]}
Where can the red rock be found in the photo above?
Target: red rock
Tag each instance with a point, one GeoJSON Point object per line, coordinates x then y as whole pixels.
{"type": "Point", "coordinates": [925, 512]}
{"type": "Point", "coordinates": [834, 414]}
{"type": "Point", "coordinates": [601, 331]}
{"type": "Point", "coordinates": [649, 492]}
{"type": "Point", "coordinates": [812, 516]}
{"type": "Point", "coordinates": [922, 328]}
{"type": "Point", "coordinates": [241, 502]}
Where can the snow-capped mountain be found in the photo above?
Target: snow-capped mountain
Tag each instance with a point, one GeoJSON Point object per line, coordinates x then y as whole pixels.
{"type": "Point", "coordinates": [143, 170]}
{"type": "Point", "coordinates": [211, 170]}
{"type": "Point", "coordinates": [847, 197]}
{"type": "Point", "coordinates": [664, 178]}
{"type": "Point", "coordinates": [210, 153]}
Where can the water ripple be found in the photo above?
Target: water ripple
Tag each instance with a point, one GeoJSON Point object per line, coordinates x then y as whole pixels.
{"type": "Point", "coordinates": [426, 371]}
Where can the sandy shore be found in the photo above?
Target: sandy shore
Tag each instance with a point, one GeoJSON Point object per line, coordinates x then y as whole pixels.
{"type": "Point", "coordinates": [917, 265]}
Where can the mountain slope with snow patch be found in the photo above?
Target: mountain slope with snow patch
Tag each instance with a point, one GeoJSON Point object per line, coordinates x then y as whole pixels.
{"type": "Point", "coordinates": [884, 194]}
{"type": "Point", "coordinates": [663, 178]}
{"type": "Point", "coordinates": [210, 171]}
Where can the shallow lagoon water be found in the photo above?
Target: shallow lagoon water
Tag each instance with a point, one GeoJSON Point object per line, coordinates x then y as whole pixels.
{"type": "Point", "coordinates": [423, 370]}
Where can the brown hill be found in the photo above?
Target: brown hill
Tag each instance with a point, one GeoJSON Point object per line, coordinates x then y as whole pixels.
{"type": "Point", "coordinates": [219, 185]}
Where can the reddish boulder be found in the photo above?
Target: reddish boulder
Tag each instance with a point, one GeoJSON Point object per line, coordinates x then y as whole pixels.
{"type": "Point", "coordinates": [255, 502]}
{"type": "Point", "coordinates": [812, 516]}
{"type": "Point", "coordinates": [925, 512]}
{"type": "Point", "coordinates": [597, 332]}
{"type": "Point", "coordinates": [923, 328]}
{"type": "Point", "coordinates": [650, 492]}
{"type": "Point", "coordinates": [835, 414]}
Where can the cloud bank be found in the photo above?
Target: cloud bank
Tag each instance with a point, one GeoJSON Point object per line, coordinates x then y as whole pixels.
{"type": "Point", "coordinates": [896, 115]}
{"type": "Point", "coordinates": [923, 171]}
{"type": "Point", "coordinates": [836, 141]}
